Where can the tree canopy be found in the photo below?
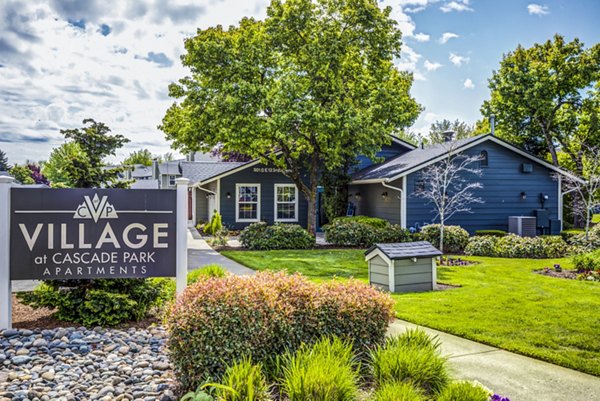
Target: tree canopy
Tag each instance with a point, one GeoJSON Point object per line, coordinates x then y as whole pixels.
{"type": "Point", "coordinates": [142, 156]}
{"type": "Point", "coordinates": [22, 174]}
{"type": "Point", "coordinates": [79, 163]}
{"type": "Point", "coordinates": [546, 97]}
{"type": "Point", "coordinates": [460, 128]}
{"type": "Point", "coordinates": [4, 166]}
{"type": "Point", "coordinates": [304, 89]}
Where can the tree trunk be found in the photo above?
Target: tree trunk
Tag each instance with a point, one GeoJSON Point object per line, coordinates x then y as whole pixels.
{"type": "Point", "coordinates": [442, 235]}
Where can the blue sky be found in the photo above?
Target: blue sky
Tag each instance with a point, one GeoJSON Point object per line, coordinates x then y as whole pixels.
{"type": "Point", "coordinates": [65, 60]}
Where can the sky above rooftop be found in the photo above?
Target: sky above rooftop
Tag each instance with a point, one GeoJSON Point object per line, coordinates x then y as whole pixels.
{"type": "Point", "coordinates": [65, 60]}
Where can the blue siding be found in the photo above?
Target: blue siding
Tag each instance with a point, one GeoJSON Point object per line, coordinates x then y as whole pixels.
{"type": "Point", "coordinates": [503, 181]}
{"type": "Point", "coordinates": [267, 181]}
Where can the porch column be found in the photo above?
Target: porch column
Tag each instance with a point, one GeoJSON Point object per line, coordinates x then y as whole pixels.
{"type": "Point", "coordinates": [403, 203]}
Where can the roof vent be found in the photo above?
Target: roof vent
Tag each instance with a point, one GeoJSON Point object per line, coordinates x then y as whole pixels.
{"type": "Point", "coordinates": [448, 136]}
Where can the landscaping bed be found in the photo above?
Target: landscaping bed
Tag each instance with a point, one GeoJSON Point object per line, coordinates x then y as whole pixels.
{"type": "Point", "coordinates": [499, 302]}
{"type": "Point", "coordinates": [73, 364]}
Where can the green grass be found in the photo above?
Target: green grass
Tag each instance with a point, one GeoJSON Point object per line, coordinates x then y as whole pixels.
{"type": "Point", "coordinates": [499, 302]}
{"type": "Point", "coordinates": [318, 265]}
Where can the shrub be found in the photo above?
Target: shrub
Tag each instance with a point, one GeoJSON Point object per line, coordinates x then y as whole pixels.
{"type": "Point", "coordinates": [348, 232]}
{"type": "Point", "coordinates": [216, 320]}
{"type": "Point", "coordinates": [586, 244]}
{"type": "Point", "coordinates": [101, 302]}
{"type": "Point", "coordinates": [513, 246]}
{"type": "Point", "coordinates": [397, 391]}
{"type": "Point", "coordinates": [243, 381]}
{"type": "Point", "coordinates": [484, 245]}
{"type": "Point", "coordinates": [206, 271]}
{"type": "Point", "coordinates": [370, 221]}
{"type": "Point", "coordinates": [197, 395]}
{"type": "Point", "coordinates": [463, 391]}
{"type": "Point", "coordinates": [325, 371]}
{"type": "Point", "coordinates": [260, 236]}
{"type": "Point", "coordinates": [455, 237]}
{"type": "Point", "coordinates": [215, 225]}
{"type": "Point", "coordinates": [587, 262]}
{"type": "Point", "coordinates": [418, 362]}
{"type": "Point", "coordinates": [493, 233]}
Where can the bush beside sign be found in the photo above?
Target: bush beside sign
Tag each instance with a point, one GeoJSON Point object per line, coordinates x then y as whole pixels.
{"type": "Point", "coordinates": [92, 233]}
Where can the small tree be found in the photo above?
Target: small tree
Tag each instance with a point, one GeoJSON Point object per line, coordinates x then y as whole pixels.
{"type": "Point", "coordinates": [4, 166]}
{"type": "Point", "coordinates": [22, 174]}
{"type": "Point", "coordinates": [460, 128]}
{"type": "Point", "coordinates": [587, 191]}
{"type": "Point", "coordinates": [449, 188]}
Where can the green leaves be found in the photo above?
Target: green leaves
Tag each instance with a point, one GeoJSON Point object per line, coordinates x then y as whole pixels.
{"type": "Point", "coordinates": [540, 96]}
{"type": "Point", "coordinates": [315, 78]}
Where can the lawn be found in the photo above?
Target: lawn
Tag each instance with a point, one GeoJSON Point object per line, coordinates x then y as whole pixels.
{"type": "Point", "coordinates": [500, 302]}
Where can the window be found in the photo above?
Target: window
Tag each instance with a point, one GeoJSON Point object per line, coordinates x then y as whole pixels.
{"type": "Point", "coordinates": [286, 202]}
{"type": "Point", "coordinates": [172, 180]}
{"type": "Point", "coordinates": [247, 207]}
{"type": "Point", "coordinates": [483, 158]}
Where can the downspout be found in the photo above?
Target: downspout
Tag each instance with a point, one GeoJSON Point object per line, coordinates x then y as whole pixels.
{"type": "Point", "coordinates": [402, 203]}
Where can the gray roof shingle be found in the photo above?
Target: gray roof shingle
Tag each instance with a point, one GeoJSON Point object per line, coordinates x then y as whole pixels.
{"type": "Point", "coordinates": [406, 250]}
{"type": "Point", "coordinates": [140, 171]}
{"type": "Point", "coordinates": [409, 160]}
{"type": "Point", "coordinates": [201, 171]}
{"type": "Point", "coordinates": [170, 168]}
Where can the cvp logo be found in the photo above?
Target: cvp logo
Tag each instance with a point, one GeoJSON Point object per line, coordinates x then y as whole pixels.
{"type": "Point", "coordinates": [95, 208]}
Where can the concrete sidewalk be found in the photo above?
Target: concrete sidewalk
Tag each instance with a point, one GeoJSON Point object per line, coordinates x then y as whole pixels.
{"type": "Point", "coordinates": [514, 376]}
{"type": "Point", "coordinates": [201, 254]}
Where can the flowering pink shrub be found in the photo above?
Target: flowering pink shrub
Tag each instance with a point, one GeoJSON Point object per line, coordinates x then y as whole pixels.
{"type": "Point", "coordinates": [218, 320]}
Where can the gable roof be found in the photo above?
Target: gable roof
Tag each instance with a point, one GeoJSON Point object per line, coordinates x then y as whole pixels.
{"type": "Point", "coordinates": [419, 158]}
{"type": "Point", "coordinates": [200, 171]}
{"type": "Point", "coordinates": [170, 168]}
{"type": "Point", "coordinates": [141, 171]}
{"type": "Point", "coordinates": [406, 250]}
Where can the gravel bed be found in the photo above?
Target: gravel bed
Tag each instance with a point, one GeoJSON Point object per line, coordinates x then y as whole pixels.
{"type": "Point", "coordinates": [77, 364]}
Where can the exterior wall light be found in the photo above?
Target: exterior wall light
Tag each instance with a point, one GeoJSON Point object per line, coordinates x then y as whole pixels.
{"type": "Point", "coordinates": [384, 195]}
{"type": "Point", "coordinates": [228, 195]}
{"type": "Point", "coordinates": [523, 195]}
{"type": "Point", "coordinates": [357, 196]}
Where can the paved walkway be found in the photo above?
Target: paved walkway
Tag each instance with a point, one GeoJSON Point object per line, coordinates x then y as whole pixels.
{"type": "Point", "coordinates": [201, 254]}
{"type": "Point", "coordinates": [515, 376]}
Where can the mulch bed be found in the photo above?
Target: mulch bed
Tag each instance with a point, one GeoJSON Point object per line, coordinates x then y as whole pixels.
{"type": "Point", "coordinates": [568, 274]}
{"type": "Point", "coordinates": [26, 317]}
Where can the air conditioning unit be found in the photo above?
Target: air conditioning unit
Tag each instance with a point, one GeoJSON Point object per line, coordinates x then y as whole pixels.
{"type": "Point", "coordinates": [524, 226]}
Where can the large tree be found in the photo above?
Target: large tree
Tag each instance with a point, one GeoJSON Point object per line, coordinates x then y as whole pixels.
{"type": "Point", "coordinates": [301, 90]}
{"type": "Point", "coordinates": [60, 164]}
{"type": "Point", "coordinates": [539, 95]}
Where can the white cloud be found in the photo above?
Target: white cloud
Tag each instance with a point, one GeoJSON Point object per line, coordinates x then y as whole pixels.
{"type": "Point", "coordinates": [431, 66]}
{"type": "Point", "coordinates": [54, 73]}
{"type": "Point", "coordinates": [458, 60]}
{"type": "Point", "coordinates": [458, 5]}
{"type": "Point", "coordinates": [537, 9]}
{"type": "Point", "coordinates": [468, 84]}
{"type": "Point", "coordinates": [446, 36]}
{"type": "Point", "coordinates": [408, 62]}
{"type": "Point", "coordinates": [422, 37]}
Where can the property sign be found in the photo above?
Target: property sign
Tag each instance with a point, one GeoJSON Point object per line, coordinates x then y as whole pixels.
{"type": "Point", "coordinates": [92, 233]}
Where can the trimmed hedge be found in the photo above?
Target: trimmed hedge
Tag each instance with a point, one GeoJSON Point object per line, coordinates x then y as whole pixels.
{"type": "Point", "coordinates": [356, 233]}
{"type": "Point", "coordinates": [218, 320]}
{"type": "Point", "coordinates": [261, 236]}
{"type": "Point", "coordinates": [494, 233]}
{"type": "Point", "coordinates": [455, 237]}
{"type": "Point", "coordinates": [514, 246]}
{"type": "Point", "coordinates": [371, 221]}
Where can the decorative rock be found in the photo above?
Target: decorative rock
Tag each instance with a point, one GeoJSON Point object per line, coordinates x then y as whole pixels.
{"type": "Point", "coordinates": [69, 364]}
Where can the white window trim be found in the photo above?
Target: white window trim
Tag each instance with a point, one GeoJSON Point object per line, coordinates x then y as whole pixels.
{"type": "Point", "coordinates": [169, 180]}
{"type": "Point", "coordinates": [237, 204]}
{"type": "Point", "coordinates": [294, 220]}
